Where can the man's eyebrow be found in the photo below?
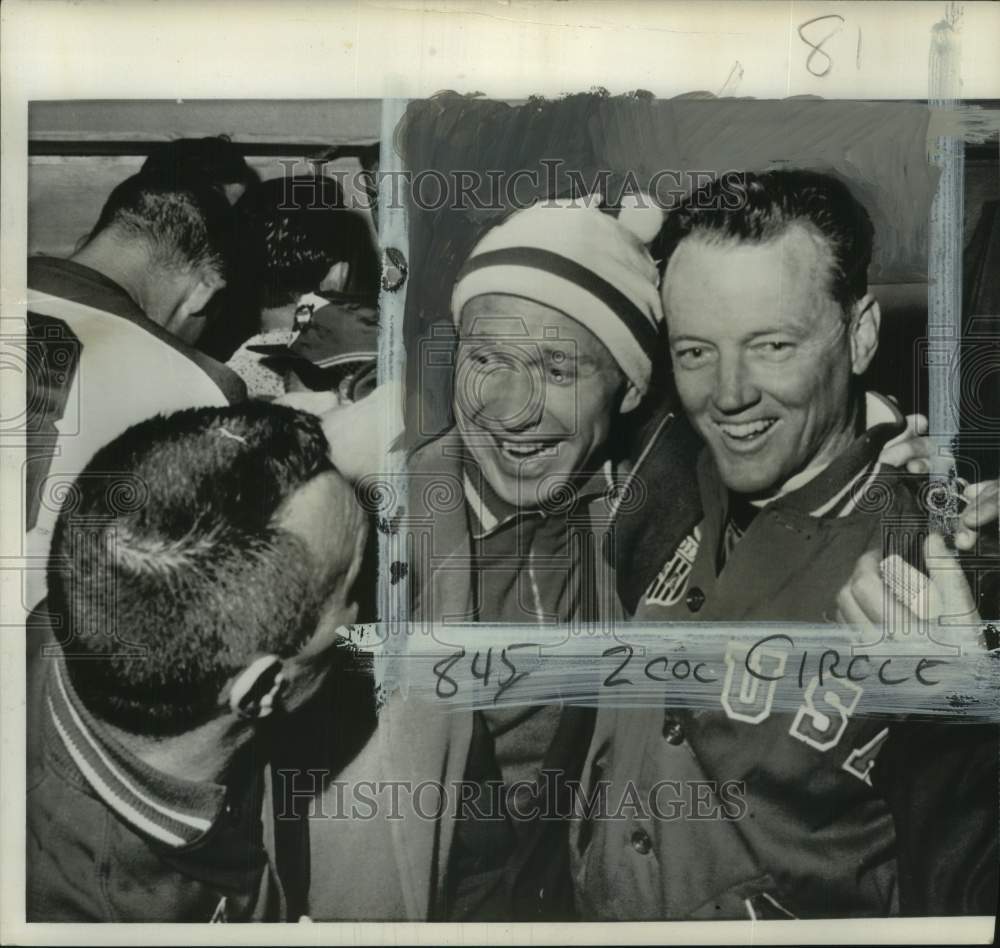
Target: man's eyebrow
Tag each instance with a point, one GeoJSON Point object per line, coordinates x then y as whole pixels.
{"type": "Point", "coordinates": [769, 331]}
{"type": "Point", "coordinates": [687, 337]}
{"type": "Point", "coordinates": [776, 331]}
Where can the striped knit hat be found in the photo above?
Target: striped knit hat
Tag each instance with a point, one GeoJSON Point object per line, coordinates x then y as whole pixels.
{"type": "Point", "coordinates": [584, 263]}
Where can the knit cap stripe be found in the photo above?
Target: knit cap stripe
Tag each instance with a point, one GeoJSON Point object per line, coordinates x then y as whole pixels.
{"type": "Point", "coordinates": [572, 300]}
{"type": "Point", "coordinates": [639, 325]}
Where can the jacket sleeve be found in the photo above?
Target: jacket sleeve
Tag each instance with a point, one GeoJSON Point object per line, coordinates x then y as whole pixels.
{"type": "Point", "coordinates": [942, 784]}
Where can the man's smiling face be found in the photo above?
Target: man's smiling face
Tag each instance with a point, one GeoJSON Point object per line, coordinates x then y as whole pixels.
{"type": "Point", "coordinates": [536, 394]}
{"type": "Point", "coordinates": [762, 355]}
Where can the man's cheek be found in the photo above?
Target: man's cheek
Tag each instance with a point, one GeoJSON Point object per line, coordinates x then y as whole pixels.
{"type": "Point", "coordinates": [798, 380]}
{"type": "Point", "coordinates": [694, 386]}
{"type": "Point", "coordinates": [565, 409]}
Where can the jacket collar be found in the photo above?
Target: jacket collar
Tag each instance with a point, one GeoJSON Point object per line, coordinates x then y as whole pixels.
{"type": "Point", "coordinates": [67, 280]}
{"type": "Point", "coordinates": [64, 278]}
{"type": "Point", "coordinates": [670, 504]}
{"type": "Point", "coordinates": [832, 491]}
{"type": "Point", "coordinates": [661, 505]}
{"type": "Point", "coordinates": [487, 512]}
{"type": "Point", "coordinates": [171, 811]}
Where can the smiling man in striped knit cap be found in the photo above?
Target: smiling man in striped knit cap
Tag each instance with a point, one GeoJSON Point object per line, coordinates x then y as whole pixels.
{"type": "Point", "coordinates": [558, 324]}
{"type": "Point", "coordinates": [559, 330]}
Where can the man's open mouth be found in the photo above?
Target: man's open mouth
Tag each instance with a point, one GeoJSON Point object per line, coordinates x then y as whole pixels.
{"type": "Point", "coordinates": [518, 450]}
{"type": "Point", "coordinates": [745, 432]}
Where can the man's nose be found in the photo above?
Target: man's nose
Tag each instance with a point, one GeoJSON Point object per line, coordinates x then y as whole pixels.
{"type": "Point", "coordinates": [511, 397]}
{"type": "Point", "coordinates": [734, 387]}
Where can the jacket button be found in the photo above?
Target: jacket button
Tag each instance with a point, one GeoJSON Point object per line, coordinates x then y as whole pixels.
{"type": "Point", "coordinates": [641, 842]}
{"type": "Point", "coordinates": [673, 733]}
{"type": "Point", "coordinates": [695, 599]}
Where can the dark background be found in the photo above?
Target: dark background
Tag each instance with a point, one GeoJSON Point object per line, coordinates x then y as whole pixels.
{"type": "Point", "coordinates": [878, 148]}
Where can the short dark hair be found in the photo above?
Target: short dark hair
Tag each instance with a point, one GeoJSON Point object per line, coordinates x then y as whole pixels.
{"type": "Point", "coordinates": [190, 227]}
{"type": "Point", "coordinates": [301, 227]}
{"type": "Point", "coordinates": [756, 208]}
{"type": "Point", "coordinates": [213, 161]}
{"type": "Point", "coordinates": [168, 571]}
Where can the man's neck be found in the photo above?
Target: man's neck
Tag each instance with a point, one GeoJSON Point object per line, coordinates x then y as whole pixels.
{"type": "Point", "coordinates": [121, 262]}
{"type": "Point", "coordinates": [155, 290]}
{"type": "Point", "coordinates": [204, 755]}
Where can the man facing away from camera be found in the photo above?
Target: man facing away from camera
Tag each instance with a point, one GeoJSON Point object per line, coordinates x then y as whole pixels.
{"type": "Point", "coordinates": [213, 161]}
{"type": "Point", "coordinates": [111, 335]}
{"type": "Point", "coordinates": [200, 569]}
{"type": "Point", "coordinates": [770, 327]}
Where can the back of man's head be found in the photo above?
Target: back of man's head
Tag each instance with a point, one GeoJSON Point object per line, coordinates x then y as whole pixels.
{"type": "Point", "coordinates": [169, 570]}
{"type": "Point", "coordinates": [748, 207]}
{"type": "Point", "coordinates": [189, 228]}
{"type": "Point", "coordinates": [203, 162]}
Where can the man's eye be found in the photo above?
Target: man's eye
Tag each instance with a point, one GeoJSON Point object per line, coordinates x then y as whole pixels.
{"type": "Point", "coordinates": [485, 358]}
{"type": "Point", "coordinates": [775, 348]}
{"type": "Point", "coordinates": [691, 356]}
{"type": "Point", "coordinates": [557, 375]}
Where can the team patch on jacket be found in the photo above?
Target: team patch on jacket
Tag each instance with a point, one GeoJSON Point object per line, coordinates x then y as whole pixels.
{"type": "Point", "coordinates": [670, 583]}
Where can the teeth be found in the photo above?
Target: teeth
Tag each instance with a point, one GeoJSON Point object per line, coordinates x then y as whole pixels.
{"type": "Point", "coordinates": [525, 449]}
{"type": "Point", "coordinates": [745, 430]}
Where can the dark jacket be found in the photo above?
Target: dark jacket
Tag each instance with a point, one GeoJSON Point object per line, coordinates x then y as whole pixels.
{"type": "Point", "coordinates": [110, 839]}
{"type": "Point", "coordinates": [404, 874]}
{"type": "Point", "coordinates": [836, 806]}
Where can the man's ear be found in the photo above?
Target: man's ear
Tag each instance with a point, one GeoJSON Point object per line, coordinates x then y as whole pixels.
{"type": "Point", "coordinates": [198, 293]}
{"type": "Point", "coordinates": [865, 321]}
{"type": "Point", "coordinates": [257, 689]}
{"type": "Point", "coordinates": [631, 400]}
{"type": "Point", "coordinates": [192, 297]}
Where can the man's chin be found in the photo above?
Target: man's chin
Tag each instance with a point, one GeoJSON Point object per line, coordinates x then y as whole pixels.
{"type": "Point", "coordinates": [740, 479]}
{"type": "Point", "coordinates": [521, 488]}
{"type": "Point", "coordinates": [513, 490]}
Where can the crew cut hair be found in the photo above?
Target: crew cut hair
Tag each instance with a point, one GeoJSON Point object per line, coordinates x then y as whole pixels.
{"type": "Point", "coordinates": [185, 226]}
{"type": "Point", "coordinates": [169, 571]}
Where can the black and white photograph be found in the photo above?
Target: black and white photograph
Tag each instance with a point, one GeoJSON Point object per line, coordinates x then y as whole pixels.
{"type": "Point", "coordinates": [486, 511]}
